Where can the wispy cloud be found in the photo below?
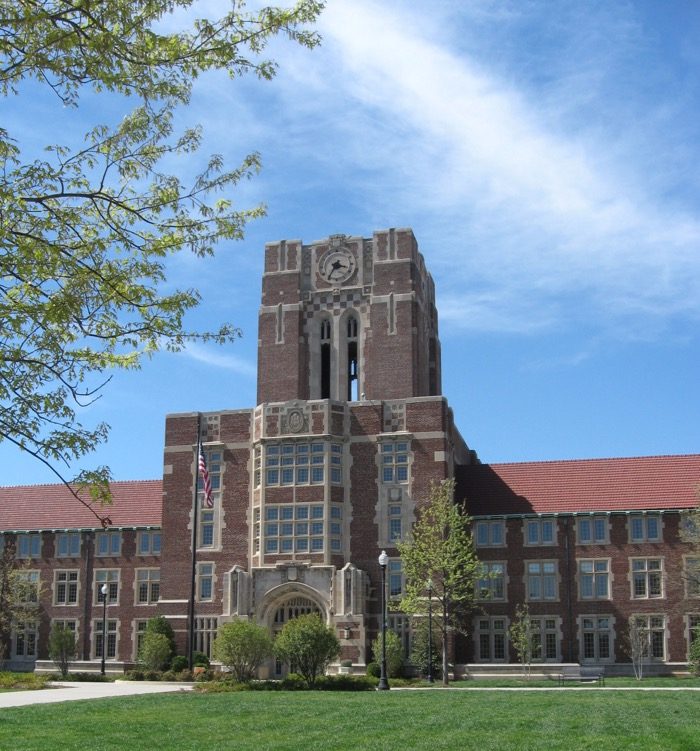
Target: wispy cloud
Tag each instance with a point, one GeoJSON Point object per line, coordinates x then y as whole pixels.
{"type": "Point", "coordinates": [216, 359]}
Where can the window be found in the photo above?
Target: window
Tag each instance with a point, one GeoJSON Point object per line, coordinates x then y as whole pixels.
{"type": "Point", "coordinates": [647, 578]}
{"type": "Point", "coordinates": [68, 545]}
{"type": "Point", "coordinates": [213, 459]}
{"type": "Point", "coordinates": [492, 581]}
{"type": "Point", "coordinates": [490, 533]}
{"type": "Point", "coordinates": [492, 639]}
{"type": "Point", "coordinates": [394, 461]}
{"type": "Point", "coordinates": [204, 634]}
{"type": "Point", "coordinates": [645, 528]}
{"type": "Point", "coordinates": [29, 545]}
{"type": "Point", "coordinates": [594, 579]}
{"type": "Point", "coordinates": [108, 544]}
{"type": "Point", "coordinates": [110, 577]}
{"type": "Point", "coordinates": [206, 527]}
{"type": "Point", "coordinates": [302, 463]}
{"type": "Point", "coordinates": [651, 631]}
{"type": "Point", "coordinates": [70, 624]}
{"type": "Point", "coordinates": [394, 522]}
{"type": "Point", "coordinates": [592, 530]}
{"type": "Point", "coordinates": [400, 624]}
{"type": "Point", "coordinates": [205, 582]}
{"type": "Point", "coordinates": [297, 528]}
{"type": "Point", "coordinates": [336, 527]}
{"type": "Point", "coordinates": [596, 638]}
{"type": "Point", "coordinates": [25, 639]}
{"type": "Point", "coordinates": [65, 587]}
{"type": "Point", "coordinates": [542, 580]}
{"type": "Point", "coordinates": [97, 642]}
{"type": "Point", "coordinates": [149, 542]}
{"type": "Point", "coordinates": [691, 574]}
{"type": "Point", "coordinates": [540, 531]}
{"type": "Point", "coordinates": [147, 586]}
{"type": "Point", "coordinates": [545, 639]}
{"type": "Point", "coordinates": [139, 633]}
{"type": "Point", "coordinates": [395, 577]}
{"type": "Point", "coordinates": [28, 586]}
{"type": "Point", "coordinates": [693, 632]}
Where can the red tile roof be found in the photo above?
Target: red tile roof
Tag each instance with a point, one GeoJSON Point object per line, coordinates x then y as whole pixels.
{"type": "Point", "coordinates": [137, 503]}
{"type": "Point", "coordinates": [650, 482]}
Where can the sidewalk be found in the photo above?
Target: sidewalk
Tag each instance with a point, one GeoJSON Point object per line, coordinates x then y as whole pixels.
{"type": "Point", "coordinates": [75, 691]}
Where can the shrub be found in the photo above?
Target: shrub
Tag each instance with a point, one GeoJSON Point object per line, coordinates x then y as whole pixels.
{"type": "Point", "coordinates": [373, 669]}
{"type": "Point", "coordinates": [420, 645]}
{"type": "Point", "coordinates": [155, 652]}
{"type": "Point", "coordinates": [394, 653]}
{"type": "Point", "coordinates": [294, 682]}
{"type": "Point", "coordinates": [178, 663]}
{"type": "Point", "coordinates": [346, 683]}
{"type": "Point", "coordinates": [184, 675]}
{"type": "Point", "coordinates": [152, 675]}
{"type": "Point", "coordinates": [159, 625]}
{"type": "Point", "coordinates": [135, 675]}
{"type": "Point", "coordinates": [307, 645]}
{"type": "Point", "coordinates": [694, 657]}
{"type": "Point", "coordinates": [200, 660]}
{"type": "Point", "coordinates": [62, 647]}
{"type": "Point", "coordinates": [242, 646]}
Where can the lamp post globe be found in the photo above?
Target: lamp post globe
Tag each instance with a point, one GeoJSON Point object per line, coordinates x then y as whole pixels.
{"type": "Point", "coordinates": [104, 590]}
{"type": "Point", "coordinates": [383, 684]}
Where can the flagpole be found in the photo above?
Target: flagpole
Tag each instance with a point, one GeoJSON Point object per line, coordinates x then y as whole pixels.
{"type": "Point", "coordinates": [195, 515]}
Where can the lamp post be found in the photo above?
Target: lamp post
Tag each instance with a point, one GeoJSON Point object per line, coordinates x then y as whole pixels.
{"type": "Point", "coordinates": [383, 682]}
{"type": "Point", "coordinates": [104, 591]}
{"type": "Point", "coordinates": [430, 630]}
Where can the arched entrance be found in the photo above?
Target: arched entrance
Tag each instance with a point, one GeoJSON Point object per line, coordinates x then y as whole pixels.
{"type": "Point", "coordinates": [283, 610]}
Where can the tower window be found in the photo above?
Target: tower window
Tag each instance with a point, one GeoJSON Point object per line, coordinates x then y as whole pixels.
{"type": "Point", "coordinates": [325, 359]}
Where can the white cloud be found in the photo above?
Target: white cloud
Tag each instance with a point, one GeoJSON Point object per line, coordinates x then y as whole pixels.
{"type": "Point", "coordinates": [221, 361]}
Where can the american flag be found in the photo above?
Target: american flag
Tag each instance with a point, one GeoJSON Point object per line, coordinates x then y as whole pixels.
{"type": "Point", "coordinates": [204, 472]}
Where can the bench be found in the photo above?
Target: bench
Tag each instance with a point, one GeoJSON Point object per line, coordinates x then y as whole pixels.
{"type": "Point", "coordinates": [582, 674]}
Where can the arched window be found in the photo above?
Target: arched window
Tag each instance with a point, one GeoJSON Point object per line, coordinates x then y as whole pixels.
{"type": "Point", "coordinates": [353, 366]}
{"type": "Point", "coordinates": [325, 359]}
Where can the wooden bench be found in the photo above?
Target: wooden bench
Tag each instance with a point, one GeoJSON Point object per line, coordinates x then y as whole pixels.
{"type": "Point", "coordinates": [581, 674]}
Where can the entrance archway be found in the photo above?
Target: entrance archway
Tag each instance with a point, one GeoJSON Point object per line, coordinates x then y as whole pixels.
{"type": "Point", "coordinates": [284, 610]}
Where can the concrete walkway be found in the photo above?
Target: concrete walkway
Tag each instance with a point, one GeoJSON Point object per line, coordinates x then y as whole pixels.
{"type": "Point", "coordinates": [75, 691]}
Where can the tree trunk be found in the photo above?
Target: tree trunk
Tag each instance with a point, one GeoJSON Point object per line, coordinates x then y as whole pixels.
{"type": "Point", "coordinates": [445, 673]}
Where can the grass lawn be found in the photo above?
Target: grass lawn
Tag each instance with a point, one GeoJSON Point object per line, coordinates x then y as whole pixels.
{"type": "Point", "coordinates": [373, 721]}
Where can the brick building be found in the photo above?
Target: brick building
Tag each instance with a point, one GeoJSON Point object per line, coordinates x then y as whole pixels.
{"type": "Point", "coordinates": [349, 430]}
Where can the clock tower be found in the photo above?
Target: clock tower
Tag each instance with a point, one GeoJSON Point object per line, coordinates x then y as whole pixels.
{"type": "Point", "coordinates": [345, 317]}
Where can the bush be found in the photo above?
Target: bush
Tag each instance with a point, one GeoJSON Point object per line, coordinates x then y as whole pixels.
{"type": "Point", "coordinates": [419, 651]}
{"type": "Point", "coordinates": [152, 675]}
{"type": "Point", "coordinates": [308, 645]}
{"type": "Point", "coordinates": [156, 651]}
{"type": "Point", "coordinates": [168, 675]}
{"type": "Point", "coordinates": [179, 663]}
{"type": "Point", "coordinates": [62, 647]}
{"type": "Point", "coordinates": [242, 646]}
{"type": "Point", "coordinates": [374, 669]}
{"type": "Point", "coordinates": [294, 682]}
{"type": "Point", "coordinates": [135, 675]}
{"type": "Point", "coordinates": [184, 675]}
{"type": "Point", "coordinates": [88, 678]}
{"type": "Point", "coordinates": [346, 683]}
{"type": "Point", "coordinates": [694, 657]}
{"type": "Point", "coordinates": [200, 660]}
{"type": "Point", "coordinates": [394, 653]}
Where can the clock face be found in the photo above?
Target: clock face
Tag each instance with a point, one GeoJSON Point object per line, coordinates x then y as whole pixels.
{"type": "Point", "coordinates": [336, 265]}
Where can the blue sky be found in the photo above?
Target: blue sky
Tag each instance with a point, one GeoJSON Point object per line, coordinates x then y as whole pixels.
{"type": "Point", "coordinates": [545, 155]}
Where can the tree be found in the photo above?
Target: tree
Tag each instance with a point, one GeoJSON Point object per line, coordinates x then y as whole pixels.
{"type": "Point", "coordinates": [521, 637]}
{"type": "Point", "coordinates": [62, 647]}
{"type": "Point", "coordinates": [307, 645]}
{"type": "Point", "coordinates": [242, 647]}
{"type": "Point", "coordinates": [87, 233]}
{"type": "Point", "coordinates": [637, 643]}
{"type": "Point", "coordinates": [423, 653]}
{"type": "Point", "coordinates": [394, 653]}
{"type": "Point", "coordinates": [440, 550]}
{"type": "Point", "coordinates": [19, 595]}
{"type": "Point", "coordinates": [694, 656]}
{"type": "Point", "coordinates": [160, 625]}
{"type": "Point", "coordinates": [155, 652]}
{"type": "Point", "coordinates": [690, 533]}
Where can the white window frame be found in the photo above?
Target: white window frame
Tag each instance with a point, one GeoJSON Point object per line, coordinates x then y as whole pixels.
{"type": "Point", "coordinates": [491, 631]}
{"type": "Point", "coordinates": [652, 628]}
{"type": "Point", "coordinates": [543, 626]}
{"type": "Point", "coordinates": [593, 536]}
{"type": "Point", "coordinates": [206, 572]}
{"type": "Point", "coordinates": [490, 533]}
{"type": "Point", "coordinates": [28, 545]}
{"type": "Point", "coordinates": [148, 578]}
{"type": "Point", "coordinates": [25, 632]}
{"type": "Point", "coordinates": [67, 584]}
{"type": "Point", "coordinates": [691, 576]}
{"type": "Point", "coordinates": [543, 576]}
{"type": "Point", "coordinates": [597, 570]}
{"type": "Point", "coordinates": [488, 584]}
{"type": "Point", "coordinates": [645, 574]}
{"type": "Point", "coordinates": [643, 523]}
{"type": "Point", "coordinates": [113, 631]}
{"type": "Point", "coordinates": [146, 542]}
{"type": "Point", "coordinates": [112, 578]}
{"type": "Point", "coordinates": [540, 526]}
{"type": "Point", "coordinates": [596, 629]}
{"type": "Point", "coordinates": [111, 541]}
{"type": "Point", "coordinates": [72, 543]}
{"type": "Point", "coordinates": [395, 461]}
